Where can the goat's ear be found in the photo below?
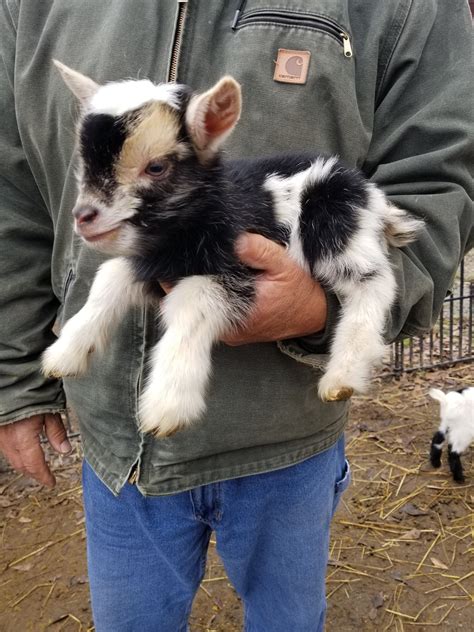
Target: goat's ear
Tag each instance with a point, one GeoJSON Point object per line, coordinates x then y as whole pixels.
{"type": "Point", "coordinates": [80, 85]}
{"type": "Point", "coordinates": [211, 117]}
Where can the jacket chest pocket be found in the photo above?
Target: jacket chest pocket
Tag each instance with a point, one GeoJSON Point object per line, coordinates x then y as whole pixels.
{"type": "Point", "coordinates": [286, 18]}
{"type": "Point", "coordinates": [283, 114]}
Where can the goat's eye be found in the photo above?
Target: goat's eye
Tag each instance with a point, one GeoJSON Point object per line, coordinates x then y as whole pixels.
{"type": "Point", "coordinates": [155, 169]}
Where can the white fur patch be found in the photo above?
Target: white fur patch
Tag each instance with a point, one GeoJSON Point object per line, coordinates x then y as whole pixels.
{"type": "Point", "coordinates": [286, 194]}
{"type": "Point", "coordinates": [124, 96]}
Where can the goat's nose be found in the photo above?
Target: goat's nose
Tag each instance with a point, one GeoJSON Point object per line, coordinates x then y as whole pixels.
{"type": "Point", "coordinates": [85, 214]}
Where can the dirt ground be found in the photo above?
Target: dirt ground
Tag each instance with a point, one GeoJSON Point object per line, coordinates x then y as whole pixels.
{"type": "Point", "coordinates": [401, 553]}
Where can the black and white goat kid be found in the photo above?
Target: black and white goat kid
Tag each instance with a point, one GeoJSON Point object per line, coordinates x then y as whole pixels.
{"type": "Point", "coordinates": [154, 190]}
{"type": "Point", "coordinates": [456, 427]}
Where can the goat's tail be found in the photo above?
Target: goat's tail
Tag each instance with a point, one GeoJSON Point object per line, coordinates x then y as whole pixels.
{"type": "Point", "coordinates": [400, 228]}
{"type": "Point", "coordinates": [435, 393]}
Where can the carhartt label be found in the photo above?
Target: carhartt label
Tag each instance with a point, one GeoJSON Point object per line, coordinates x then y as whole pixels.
{"type": "Point", "coordinates": [292, 66]}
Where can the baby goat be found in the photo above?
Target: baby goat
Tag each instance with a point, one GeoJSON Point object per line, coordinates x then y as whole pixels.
{"type": "Point", "coordinates": [154, 189]}
{"type": "Point", "coordinates": [457, 426]}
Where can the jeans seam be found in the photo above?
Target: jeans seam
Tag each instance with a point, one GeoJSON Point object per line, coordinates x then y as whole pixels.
{"type": "Point", "coordinates": [218, 506]}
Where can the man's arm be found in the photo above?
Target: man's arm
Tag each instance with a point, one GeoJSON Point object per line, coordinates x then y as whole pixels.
{"type": "Point", "coordinates": [28, 305]}
{"type": "Point", "coordinates": [421, 154]}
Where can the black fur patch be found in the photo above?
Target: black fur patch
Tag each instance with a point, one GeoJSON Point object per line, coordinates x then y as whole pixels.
{"type": "Point", "coordinates": [435, 452]}
{"type": "Point", "coordinates": [195, 233]}
{"type": "Point", "coordinates": [101, 140]}
{"type": "Point", "coordinates": [455, 465]}
{"type": "Point", "coordinates": [329, 215]}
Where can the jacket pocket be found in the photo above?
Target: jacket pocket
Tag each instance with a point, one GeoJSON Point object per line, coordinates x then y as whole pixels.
{"type": "Point", "coordinates": [280, 116]}
{"type": "Point", "coordinates": [341, 485]}
{"type": "Point", "coordinates": [299, 19]}
{"type": "Point", "coordinates": [294, 350]}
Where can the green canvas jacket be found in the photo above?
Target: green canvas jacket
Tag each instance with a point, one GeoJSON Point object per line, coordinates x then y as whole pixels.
{"type": "Point", "coordinates": [389, 89]}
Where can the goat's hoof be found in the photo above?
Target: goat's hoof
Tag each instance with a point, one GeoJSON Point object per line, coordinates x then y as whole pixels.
{"type": "Point", "coordinates": [339, 394]}
{"type": "Point", "coordinates": [165, 434]}
{"type": "Point", "coordinates": [57, 375]}
{"type": "Point", "coordinates": [64, 360]}
{"type": "Point", "coordinates": [56, 372]}
{"type": "Point", "coordinates": [160, 427]}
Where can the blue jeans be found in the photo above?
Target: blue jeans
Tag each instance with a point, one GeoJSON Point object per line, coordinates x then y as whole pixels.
{"type": "Point", "coordinates": [147, 555]}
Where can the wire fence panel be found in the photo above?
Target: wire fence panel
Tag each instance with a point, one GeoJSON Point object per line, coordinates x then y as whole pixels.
{"type": "Point", "coordinates": [448, 343]}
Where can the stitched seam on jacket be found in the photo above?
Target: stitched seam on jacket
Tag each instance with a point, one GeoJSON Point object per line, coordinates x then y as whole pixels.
{"type": "Point", "coordinates": [13, 11]}
{"type": "Point", "coordinates": [396, 29]}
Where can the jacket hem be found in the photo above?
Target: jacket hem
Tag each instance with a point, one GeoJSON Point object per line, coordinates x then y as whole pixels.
{"type": "Point", "coordinates": [215, 476]}
{"type": "Point", "coordinates": [30, 411]}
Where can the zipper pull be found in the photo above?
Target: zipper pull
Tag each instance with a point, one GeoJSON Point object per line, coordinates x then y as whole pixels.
{"type": "Point", "coordinates": [132, 479]}
{"type": "Point", "coordinates": [346, 42]}
{"type": "Point", "coordinates": [237, 14]}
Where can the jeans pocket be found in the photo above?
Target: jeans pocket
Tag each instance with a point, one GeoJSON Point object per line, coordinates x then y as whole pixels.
{"type": "Point", "coordinates": [341, 484]}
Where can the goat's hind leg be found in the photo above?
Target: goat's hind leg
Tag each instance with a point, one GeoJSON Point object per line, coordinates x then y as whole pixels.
{"type": "Point", "coordinates": [113, 290]}
{"type": "Point", "coordinates": [358, 342]}
{"type": "Point", "coordinates": [436, 448]}
{"type": "Point", "coordinates": [455, 464]}
{"type": "Point", "coordinates": [196, 313]}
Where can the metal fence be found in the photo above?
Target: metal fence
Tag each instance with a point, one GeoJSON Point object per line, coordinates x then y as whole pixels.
{"type": "Point", "coordinates": [448, 343]}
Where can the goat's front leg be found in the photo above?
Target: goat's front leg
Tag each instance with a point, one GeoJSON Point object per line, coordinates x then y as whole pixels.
{"type": "Point", "coordinates": [113, 291]}
{"type": "Point", "coordinates": [358, 341]}
{"type": "Point", "coordinates": [196, 313]}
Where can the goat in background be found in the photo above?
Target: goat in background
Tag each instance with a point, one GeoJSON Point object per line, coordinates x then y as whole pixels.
{"type": "Point", "coordinates": [457, 428]}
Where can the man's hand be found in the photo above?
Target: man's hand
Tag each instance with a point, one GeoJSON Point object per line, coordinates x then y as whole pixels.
{"type": "Point", "coordinates": [289, 302]}
{"type": "Point", "coordinates": [20, 443]}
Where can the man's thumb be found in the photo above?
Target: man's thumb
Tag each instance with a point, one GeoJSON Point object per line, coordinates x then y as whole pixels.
{"type": "Point", "coordinates": [56, 433]}
{"type": "Point", "coordinates": [259, 253]}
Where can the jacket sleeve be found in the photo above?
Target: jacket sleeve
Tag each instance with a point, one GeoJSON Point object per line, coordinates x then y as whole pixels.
{"type": "Point", "coordinates": [422, 152]}
{"type": "Point", "coordinates": [28, 305]}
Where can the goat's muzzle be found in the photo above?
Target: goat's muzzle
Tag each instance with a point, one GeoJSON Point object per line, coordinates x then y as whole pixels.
{"type": "Point", "coordinates": [84, 214]}
{"type": "Point", "coordinates": [90, 226]}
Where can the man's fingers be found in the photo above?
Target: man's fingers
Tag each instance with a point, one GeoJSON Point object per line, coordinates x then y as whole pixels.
{"type": "Point", "coordinates": [56, 433]}
{"type": "Point", "coordinates": [13, 457]}
{"type": "Point", "coordinates": [20, 443]}
{"type": "Point", "coordinates": [260, 253]}
{"type": "Point", "coordinates": [167, 287]}
{"type": "Point", "coordinates": [34, 464]}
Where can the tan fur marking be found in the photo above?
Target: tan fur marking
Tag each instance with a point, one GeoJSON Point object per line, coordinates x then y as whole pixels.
{"type": "Point", "coordinates": [154, 137]}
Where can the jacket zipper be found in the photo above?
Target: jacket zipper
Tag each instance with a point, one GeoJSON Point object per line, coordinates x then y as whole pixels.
{"type": "Point", "coordinates": [178, 38]}
{"type": "Point", "coordinates": [69, 279]}
{"type": "Point", "coordinates": [284, 17]}
{"type": "Point", "coordinates": [175, 52]}
{"type": "Point", "coordinates": [132, 479]}
{"type": "Point", "coordinates": [135, 469]}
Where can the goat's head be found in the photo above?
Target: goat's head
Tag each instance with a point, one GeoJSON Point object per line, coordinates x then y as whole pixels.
{"type": "Point", "coordinates": [139, 146]}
